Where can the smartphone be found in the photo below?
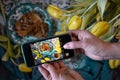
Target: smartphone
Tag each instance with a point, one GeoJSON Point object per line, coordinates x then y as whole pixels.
{"type": "Point", "coordinates": [46, 50]}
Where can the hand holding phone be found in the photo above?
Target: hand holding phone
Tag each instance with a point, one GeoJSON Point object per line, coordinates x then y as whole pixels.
{"type": "Point", "coordinates": [46, 50]}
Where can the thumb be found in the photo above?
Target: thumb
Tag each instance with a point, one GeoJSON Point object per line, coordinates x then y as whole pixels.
{"type": "Point", "coordinates": [73, 45]}
{"type": "Point", "coordinates": [51, 69]}
{"type": "Point", "coordinates": [76, 75]}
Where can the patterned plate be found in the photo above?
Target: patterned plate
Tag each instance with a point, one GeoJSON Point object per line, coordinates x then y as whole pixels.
{"type": "Point", "coordinates": [47, 42]}
{"type": "Point", "coordinates": [17, 13]}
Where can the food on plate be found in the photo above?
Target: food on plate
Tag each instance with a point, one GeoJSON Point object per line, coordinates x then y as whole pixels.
{"type": "Point", "coordinates": [31, 24]}
{"type": "Point", "coordinates": [45, 47]}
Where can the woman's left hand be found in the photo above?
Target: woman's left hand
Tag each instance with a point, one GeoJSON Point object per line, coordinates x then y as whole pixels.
{"type": "Point", "coordinates": [58, 71]}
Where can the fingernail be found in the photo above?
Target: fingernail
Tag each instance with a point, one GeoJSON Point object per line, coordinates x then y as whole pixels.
{"type": "Point", "coordinates": [66, 46]}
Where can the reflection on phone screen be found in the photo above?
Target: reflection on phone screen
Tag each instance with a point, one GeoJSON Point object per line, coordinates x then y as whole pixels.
{"type": "Point", "coordinates": [46, 51]}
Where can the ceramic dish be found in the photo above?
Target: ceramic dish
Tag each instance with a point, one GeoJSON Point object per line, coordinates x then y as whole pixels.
{"type": "Point", "coordinates": [17, 13]}
{"type": "Point", "coordinates": [45, 47]}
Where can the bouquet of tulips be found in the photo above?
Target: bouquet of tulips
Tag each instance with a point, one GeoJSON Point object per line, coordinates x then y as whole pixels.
{"type": "Point", "coordinates": [100, 17]}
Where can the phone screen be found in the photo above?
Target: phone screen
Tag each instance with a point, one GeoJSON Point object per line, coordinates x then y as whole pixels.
{"type": "Point", "coordinates": [46, 51]}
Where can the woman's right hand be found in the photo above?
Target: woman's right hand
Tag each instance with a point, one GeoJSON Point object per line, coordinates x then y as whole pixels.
{"type": "Point", "coordinates": [92, 46]}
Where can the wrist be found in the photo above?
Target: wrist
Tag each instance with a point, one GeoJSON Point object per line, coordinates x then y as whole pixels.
{"type": "Point", "coordinates": [112, 51]}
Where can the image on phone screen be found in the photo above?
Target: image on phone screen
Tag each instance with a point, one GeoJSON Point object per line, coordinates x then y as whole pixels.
{"type": "Point", "coordinates": [46, 51]}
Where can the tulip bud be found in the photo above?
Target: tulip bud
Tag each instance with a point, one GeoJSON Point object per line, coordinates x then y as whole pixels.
{"type": "Point", "coordinates": [114, 64]}
{"type": "Point", "coordinates": [100, 28]}
{"type": "Point", "coordinates": [54, 11]}
{"type": "Point", "coordinates": [22, 67]}
{"type": "Point", "coordinates": [74, 23]}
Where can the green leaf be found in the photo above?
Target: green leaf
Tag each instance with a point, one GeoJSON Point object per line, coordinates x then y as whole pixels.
{"type": "Point", "coordinates": [17, 51]}
{"type": "Point", "coordinates": [91, 26]}
{"type": "Point", "coordinates": [10, 49]}
{"type": "Point", "coordinates": [5, 57]}
{"type": "Point", "coordinates": [107, 34]}
{"type": "Point", "coordinates": [89, 8]}
{"type": "Point", "coordinates": [115, 18]}
{"type": "Point", "coordinates": [117, 23]}
{"type": "Point", "coordinates": [116, 1]}
{"type": "Point", "coordinates": [88, 18]}
{"type": "Point", "coordinates": [3, 38]}
{"type": "Point", "coordinates": [2, 10]}
{"type": "Point", "coordinates": [3, 45]}
{"type": "Point", "coordinates": [101, 7]}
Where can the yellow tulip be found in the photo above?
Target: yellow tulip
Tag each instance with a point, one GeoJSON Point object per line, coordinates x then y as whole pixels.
{"type": "Point", "coordinates": [54, 11]}
{"type": "Point", "coordinates": [114, 64]}
{"type": "Point", "coordinates": [75, 23]}
{"type": "Point", "coordinates": [23, 68]}
{"type": "Point", "coordinates": [100, 28]}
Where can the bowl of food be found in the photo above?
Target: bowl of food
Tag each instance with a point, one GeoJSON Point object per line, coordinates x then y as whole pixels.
{"type": "Point", "coordinates": [27, 22]}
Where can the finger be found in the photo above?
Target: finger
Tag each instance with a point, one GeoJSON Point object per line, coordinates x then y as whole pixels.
{"type": "Point", "coordinates": [74, 32]}
{"type": "Point", "coordinates": [74, 38]}
{"type": "Point", "coordinates": [51, 69]}
{"type": "Point", "coordinates": [44, 72]}
{"type": "Point", "coordinates": [65, 74]}
{"type": "Point", "coordinates": [66, 77]}
{"type": "Point", "coordinates": [61, 63]}
{"type": "Point", "coordinates": [81, 34]}
{"type": "Point", "coordinates": [56, 65]}
{"type": "Point", "coordinates": [75, 75]}
{"type": "Point", "coordinates": [73, 45]}
{"type": "Point", "coordinates": [79, 50]}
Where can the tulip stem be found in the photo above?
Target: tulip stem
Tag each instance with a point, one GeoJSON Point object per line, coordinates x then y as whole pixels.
{"type": "Point", "coordinates": [13, 62]}
{"type": "Point", "coordinates": [81, 4]}
{"type": "Point", "coordinates": [71, 11]}
{"type": "Point", "coordinates": [88, 8]}
{"type": "Point", "coordinates": [109, 38]}
{"type": "Point", "coordinates": [114, 18]}
{"type": "Point", "coordinates": [2, 10]}
{"type": "Point", "coordinates": [3, 45]}
{"type": "Point", "coordinates": [90, 27]}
